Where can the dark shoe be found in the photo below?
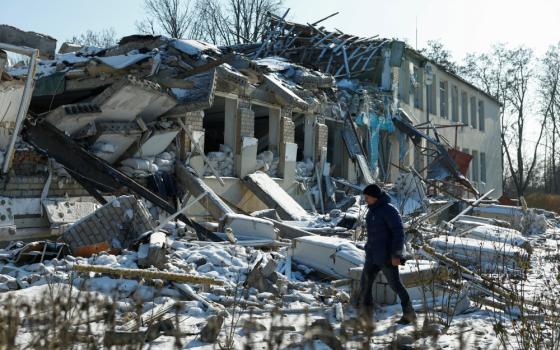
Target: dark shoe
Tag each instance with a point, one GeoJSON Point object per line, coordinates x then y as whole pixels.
{"type": "Point", "coordinates": [408, 317]}
{"type": "Point", "coordinates": [403, 321]}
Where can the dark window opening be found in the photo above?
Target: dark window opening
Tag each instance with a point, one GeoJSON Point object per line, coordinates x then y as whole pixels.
{"type": "Point", "coordinates": [213, 124]}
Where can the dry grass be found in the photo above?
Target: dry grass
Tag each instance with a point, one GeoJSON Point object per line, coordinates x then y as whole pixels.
{"type": "Point", "coordinates": [545, 201]}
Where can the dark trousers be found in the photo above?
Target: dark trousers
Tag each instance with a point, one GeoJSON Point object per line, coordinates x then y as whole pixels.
{"type": "Point", "coordinates": [392, 275]}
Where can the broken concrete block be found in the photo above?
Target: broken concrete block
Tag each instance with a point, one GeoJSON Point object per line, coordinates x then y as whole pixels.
{"type": "Point", "coordinates": [14, 36]}
{"type": "Point", "coordinates": [196, 186]}
{"type": "Point", "coordinates": [498, 234]}
{"type": "Point", "coordinates": [260, 278]}
{"type": "Point", "coordinates": [130, 97]}
{"type": "Point", "coordinates": [330, 255]}
{"type": "Point", "coordinates": [7, 223]}
{"type": "Point", "coordinates": [209, 333]}
{"type": "Point", "coordinates": [157, 143]}
{"type": "Point", "coordinates": [113, 226]}
{"type": "Point", "coordinates": [248, 227]}
{"type": "Point", "coordinates": [269, 268]}
{"type": "Point", "coordinates": [60, 212]}
{"type": "Point", "coordinates": [154, 252]}
{"type": "Point", "coordinates": [486, 255]}
{"type": "Point", "coordinates": [74, 117]}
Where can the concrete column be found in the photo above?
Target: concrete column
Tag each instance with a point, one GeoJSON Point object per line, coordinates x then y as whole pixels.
{"type": "Point", "coordinates": [230, 123]}
{"type": "Point", "coordinates": [321, 138]}
{"type": "Point", "coordinates": [246, 160]}
{"type": "Point", "coordinates": [287, 164]}
{"type": "Point", "coordinates": [386, 72]}
{"type": "Point", "coordinates": [274, 116]}
{"type": "Point", "coordinates": [245, 151]}
{"type": "Point", "coordinates": [309, 137]}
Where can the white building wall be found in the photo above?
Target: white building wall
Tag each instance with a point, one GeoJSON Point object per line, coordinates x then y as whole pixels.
{"type": "Point", "coordinates": [486, 142]}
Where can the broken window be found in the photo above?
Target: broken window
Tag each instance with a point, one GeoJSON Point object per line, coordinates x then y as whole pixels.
{"type": "Point", "coordinates": [473, 112]}
{"type": "Point", "coordinates": [464, 108]}
{"type": "Point", "coordinates": [455, 103]}
{"type": "Point", "coordinates": [443, 96]}
{"type": "Point", "coordinates": [482, 166]}
{"type": "Point", "coordinates": [474, 167]}
{"type": "Point", "coordinates": [481, 115]}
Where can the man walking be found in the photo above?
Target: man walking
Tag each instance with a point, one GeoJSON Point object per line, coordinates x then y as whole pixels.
{"type": "Point", "coordinates": [384, 249]}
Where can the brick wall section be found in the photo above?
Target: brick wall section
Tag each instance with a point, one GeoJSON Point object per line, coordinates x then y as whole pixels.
{"type": "Point", "coordinates": [287, 130]}
{"type": "Point", "coordinates": [321, 138]}
{"type": "Point", "coordinates": [246, 122]}
{"type": "Point", "coordinates": [32, 186]}
{"type": "Point", "coordinates": [118, 222]}
{"type": "Point", "coordinates": [28, 162]}
{"type": "Point", "coordinates": [194, 119]}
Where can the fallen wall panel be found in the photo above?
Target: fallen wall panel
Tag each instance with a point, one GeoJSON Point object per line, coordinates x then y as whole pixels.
{"type": "Point", "coordinates": [274, 196]}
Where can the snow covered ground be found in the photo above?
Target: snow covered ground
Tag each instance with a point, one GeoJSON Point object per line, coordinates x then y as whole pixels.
{"type": "Point", "coordinates": [291, 313]}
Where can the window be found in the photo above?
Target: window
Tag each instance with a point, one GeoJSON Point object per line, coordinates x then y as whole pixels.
{"type": "Point", "coordinates": [454, 103]}
{"type": "Point", "coordinates": [443, 96]}
{"type": "Point", "coordinates": [474, 167]}
{"type": "Point", "coordinates": [431, 100]}
{"type": "Point", "coordinates": [483, 167]}
{"type": "Point", "coordinates": [473, 112]}
{"type": "Point", "coordinates": [419, 88]}
{"type": "Point", "coordinates": [464, 108]}
{"type": "Point", "coordinates": [404, 84]}
{"type": "Point", "coordinates": [481, 115]}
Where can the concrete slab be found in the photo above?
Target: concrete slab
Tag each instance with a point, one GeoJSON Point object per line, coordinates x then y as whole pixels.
{"type": "Point", "coordinates": [113, 226]}
{"type": "Point", "coordinates": [330, 255]}
{"type": "Point", "coordinates": [248, 227]}
{"type": "Point", "coordinates": [130, 97]}
{"type": "Point", "coordinates": [14, 36]}
{"type": "Point", "coordinates": [157, 143]}
{"type": "Point", "coordinates": [11, 93]}
{"type": "Point", "coordinates": [74, 117]}
{"type": "Point", "coordinates": [274, 196]}
{"type": "Point", "coordinates": [60, 212]}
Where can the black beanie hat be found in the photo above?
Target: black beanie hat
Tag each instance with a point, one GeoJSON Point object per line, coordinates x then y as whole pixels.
{"type": "Point", "coordinates": [373, 190]}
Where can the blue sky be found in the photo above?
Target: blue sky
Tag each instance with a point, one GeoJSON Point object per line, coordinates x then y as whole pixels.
{"type": "Point", "coordinates": [462, 25]}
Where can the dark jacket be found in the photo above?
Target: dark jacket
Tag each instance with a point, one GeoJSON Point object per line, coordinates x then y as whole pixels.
{"type": "Point", "coordinates": [385, 232]}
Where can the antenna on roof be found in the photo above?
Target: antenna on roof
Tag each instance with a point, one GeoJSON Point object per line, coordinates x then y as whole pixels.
{"type": "Point", "coordinates": [416, 33]}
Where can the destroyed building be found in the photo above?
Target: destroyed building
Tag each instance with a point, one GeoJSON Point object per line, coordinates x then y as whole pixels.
{"type": "Point", "coordinates": [160, 156]}
{"type": "Point", "coordinates": [305, 98]}
{"type": "Point", "coordinates": [399, 81]}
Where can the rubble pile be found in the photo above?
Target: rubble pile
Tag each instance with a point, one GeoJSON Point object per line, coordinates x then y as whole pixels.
{"type": "Point", "coordinates": [222, 161]}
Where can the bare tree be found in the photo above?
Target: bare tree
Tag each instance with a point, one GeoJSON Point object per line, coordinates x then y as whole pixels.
{"type": "Point", "coordinates": [549, 91]}
{"type": "Point", "coordinates": [506, 74]}
{"type": "Point", "coordinates": [436, 52]}
{"type": "Point", "coordinates": [229, 22]}
{"type": "Point", "coordinates": [174, 18]}
{"type": "Point", "coordinates": [517, 87]}
{"type": "Point", "coordinates": [104, 38]}
{"type": "Point", "coordinates": [223, 22]}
